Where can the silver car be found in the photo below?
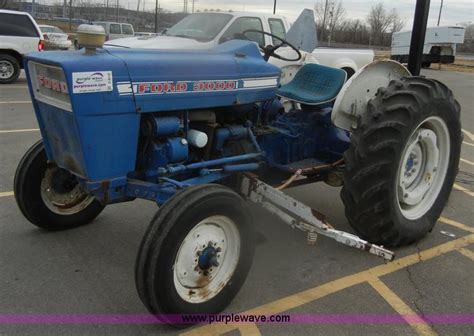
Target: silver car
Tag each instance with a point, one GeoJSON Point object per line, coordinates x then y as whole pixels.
{"type": "Point", "coordinates": [55, 38]}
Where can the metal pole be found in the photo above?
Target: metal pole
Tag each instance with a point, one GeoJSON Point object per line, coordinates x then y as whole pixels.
{"type": "Point", "coordinates": [70, 15]}
{"type": "Point", "coordinates": [106, 10]}
{"type": "Point", "coordinates": [440, 9]}
{"type": "Point", "coordinates": [422, 10]}
{"type": "Point", "coordinates": [274, 6]}
{"type": "Point", "coordinates": [33, 8]}
{"type": "Point", "coordinates": [117, 11]}
{"type": "Point", "coordinates": [324, 21]}
{"type": "Point", "coordinates": [156, 16]}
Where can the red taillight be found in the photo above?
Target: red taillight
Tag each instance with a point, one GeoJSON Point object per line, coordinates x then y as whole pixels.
{"type": "Point", "coordinates": [106, 37]}
{"type": "Point", "coordinates": [41, 45]}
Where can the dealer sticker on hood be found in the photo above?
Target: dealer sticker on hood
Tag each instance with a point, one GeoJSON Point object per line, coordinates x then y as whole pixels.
{"type": "Point", "coordinates": [94, 81]}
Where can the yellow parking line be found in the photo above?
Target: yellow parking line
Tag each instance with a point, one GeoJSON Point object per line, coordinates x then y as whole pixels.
{"type": "Point", "coordinates": [456, 224]}
{"type": "Point", "coordinates": [14, 87]}
{"type": "Point", "coordinates": [16, 102]}
{"type": "Point", "coordinates": [467, 161]}
{"type": "Point", "coordinates": [248, 329]}
{"type": "Point", "coordinates": [401, 307]}
{"type": "Point", "coordinates": [467, 253]}
{"type": "Point", "coordinates": [310, 295]}
{"type": "Point", "coordinates": [6, 193]}
{"type": "Point", "coordinates": [468, 143]}
{"type": "Point", "coordinates": [468, 134]}
{"type": "Point", "coordinates": [20, 130]}
{"type": "Point", "coordinates": [464, 190]}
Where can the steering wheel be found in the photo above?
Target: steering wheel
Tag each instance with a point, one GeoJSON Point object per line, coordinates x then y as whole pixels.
{"type": "Point", "coordinates": [269, 50]}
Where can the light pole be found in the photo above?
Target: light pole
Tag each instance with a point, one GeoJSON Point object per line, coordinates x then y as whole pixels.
{"type": "Point", "coordinates": [70, 15]}
{"type": "Point", "coordinates": [156, 16]}
{"type": "Point", "coordinates": [274, 6]}
{"type": "Point", "coordinates": [440, 9]}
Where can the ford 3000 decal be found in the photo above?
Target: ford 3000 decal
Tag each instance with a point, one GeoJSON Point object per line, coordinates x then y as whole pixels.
{"type": "Point", "coordinates": [169, 87]}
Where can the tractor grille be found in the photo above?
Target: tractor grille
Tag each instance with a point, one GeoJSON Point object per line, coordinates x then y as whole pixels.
{"type": "Point", "coordinates": [49, 85]}
{"type": "Point", "coordinates": [55, 118]}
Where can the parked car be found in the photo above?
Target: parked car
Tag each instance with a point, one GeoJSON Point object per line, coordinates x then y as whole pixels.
{"type": "Point", "coordinates": [55, 38]}
{"type": "Point", "coordinates": [209, 29]}
{"type": "Point", "coordinates": [19, 35]}
{"type": "Point", "coordinates": [114, 30]}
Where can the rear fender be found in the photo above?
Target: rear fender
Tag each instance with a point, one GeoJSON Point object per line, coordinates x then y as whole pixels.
{"type": "Point", "coordinates": [351, 102]}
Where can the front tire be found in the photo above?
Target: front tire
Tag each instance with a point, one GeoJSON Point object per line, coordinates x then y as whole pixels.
{"type": "Point", "coordinates": [196, 253]}
{"type": "Point", "coordinates": [402, 161]}
{"type": "Point", "coordinates": [9, 69]}
{"type": "Point", "coordinates": [50, 197]}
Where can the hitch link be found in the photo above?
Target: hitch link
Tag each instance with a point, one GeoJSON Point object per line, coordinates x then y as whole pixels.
{"type": "Point", "coordinates": [301, 216]}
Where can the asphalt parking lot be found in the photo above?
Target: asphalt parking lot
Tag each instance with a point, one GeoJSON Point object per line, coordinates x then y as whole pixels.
{"type": "Point", "coordinates": [89, 270]}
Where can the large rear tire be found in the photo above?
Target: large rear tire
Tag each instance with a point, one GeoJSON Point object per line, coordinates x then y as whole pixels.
{"type": "Point", "coordinates": [196, 253]}
{"type": "Point", "coordinates": [50, 197]}
{"type": "Point", "coordinates": [402, 161]}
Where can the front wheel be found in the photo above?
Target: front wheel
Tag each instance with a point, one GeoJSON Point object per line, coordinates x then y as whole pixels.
{"type": "Point", "coordinates": [402, 162]}
{"type": "Point", "coordinates": [196, 254]}
{"type": "Point", "coordinates": [51, 197]}
{"type": "Point", "coordinates": [9, 69]}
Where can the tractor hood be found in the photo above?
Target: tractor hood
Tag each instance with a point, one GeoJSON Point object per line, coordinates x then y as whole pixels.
{"type": "Point", "coordinates": [113, 80]}
{"type": "Point", "coordinates": [87, 103]}
{"type": "Point", "coordinates": [163, 42]}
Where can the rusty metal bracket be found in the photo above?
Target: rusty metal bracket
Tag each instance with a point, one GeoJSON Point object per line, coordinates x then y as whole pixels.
{"type": "Point", "coordinates": [303, 217]}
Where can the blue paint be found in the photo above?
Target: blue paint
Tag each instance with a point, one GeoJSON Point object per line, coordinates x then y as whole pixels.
{"type": "Point", "coordinates": [300, 135]}
{"type": "Point", "coordinates": [131, 143]}
{"type": "Point", "coordinates": [228, 133]}
{"type": "Point", "coordinates": [176, 149]}
{"type": "Point", "coordinates": [162, 126]}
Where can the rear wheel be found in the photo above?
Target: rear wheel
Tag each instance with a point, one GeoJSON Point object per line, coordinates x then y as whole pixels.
{"type": "Point", "coordinates": [9, 69]}
{"type": "Point", "coordinates": [197, 252]}
{"type": "Point", "coordinates": [402, 162]}
{"type": "Point", "coordinates": [51, 197]}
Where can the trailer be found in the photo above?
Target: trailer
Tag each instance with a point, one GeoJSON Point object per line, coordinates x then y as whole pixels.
{"type": "Point", "coordinates": [440, 45]}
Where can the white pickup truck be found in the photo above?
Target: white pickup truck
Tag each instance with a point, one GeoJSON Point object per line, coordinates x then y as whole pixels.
{"type": "Point", "coordinates": [208, 29]}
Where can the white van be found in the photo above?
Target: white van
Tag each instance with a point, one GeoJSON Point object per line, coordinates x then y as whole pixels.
{"type": "Point", "coordinates": [114, 30]}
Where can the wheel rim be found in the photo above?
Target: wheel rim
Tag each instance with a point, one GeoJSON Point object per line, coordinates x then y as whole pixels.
{"type": "Point", "coordinates": [423, 167]}
{"type": "Point", "coordinates": [206, 259]}
{"type": "Point", "coordinates": [6, 69]}
{"type": "Point", "coordinates": [62, 194]}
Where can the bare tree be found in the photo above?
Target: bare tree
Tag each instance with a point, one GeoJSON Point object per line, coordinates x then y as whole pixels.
{"type": "Point", "coordinates": [397, 22]}
{"type": "Point", "coordinates": [328, 18]}
{"type": "Point", "coordinates": [6, 4]}
{"type": "Point", "coordinates": [382, 22]}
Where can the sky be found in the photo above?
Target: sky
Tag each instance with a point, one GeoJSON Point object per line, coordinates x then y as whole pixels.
{"type": "Point", "coordinates": [454, 11]}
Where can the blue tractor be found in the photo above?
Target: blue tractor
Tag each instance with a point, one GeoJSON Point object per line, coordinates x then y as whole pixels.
{"type": "Point", "coordinates": [204, 133]}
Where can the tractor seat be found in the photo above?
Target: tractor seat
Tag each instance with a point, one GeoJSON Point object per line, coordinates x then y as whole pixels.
{"type": "Point", "coordinates": [314, 84]}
